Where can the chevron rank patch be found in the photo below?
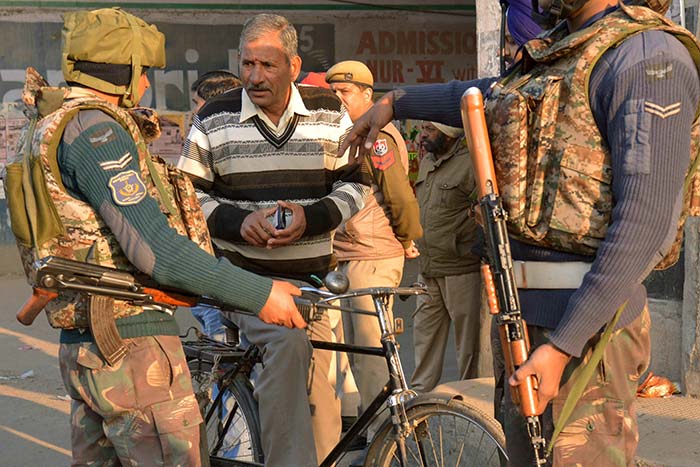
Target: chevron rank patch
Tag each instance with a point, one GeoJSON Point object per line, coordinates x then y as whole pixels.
{"type": "Point", "coordinates": [127, 188]}
{"type": "Point", "coordinates": [119, 164]}
{"type": "Point", "coordinates": [101, 137]}
{"type": "Point", "coordinates": [384, 161]}
{"type": "Point", "coordinates": [662, 111]}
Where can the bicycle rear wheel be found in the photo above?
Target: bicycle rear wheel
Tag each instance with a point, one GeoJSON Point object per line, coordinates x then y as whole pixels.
{"type": "Point", "coordinates": [233, 428]}
{"type": "Point", "coordinates": [444, 434]}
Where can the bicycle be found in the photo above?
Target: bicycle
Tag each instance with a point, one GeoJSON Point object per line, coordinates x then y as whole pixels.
{"type": "Point", "coordinates": [426, 429]}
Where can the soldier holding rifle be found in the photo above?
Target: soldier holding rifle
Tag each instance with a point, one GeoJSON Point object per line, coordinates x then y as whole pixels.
{"type": "Point", "coordinates": [84, 188]}
{"type": "Point", "coordinates": [590, 134]}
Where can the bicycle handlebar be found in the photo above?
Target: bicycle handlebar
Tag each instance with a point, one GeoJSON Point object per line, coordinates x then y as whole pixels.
{"type": "Point", "coordinates": [314, 308]}
{"type": "Point", "coordinates": [415, 289]}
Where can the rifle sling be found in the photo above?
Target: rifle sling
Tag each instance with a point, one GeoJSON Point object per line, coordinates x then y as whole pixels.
{"type": "Point", "coordinates": [104, 329]}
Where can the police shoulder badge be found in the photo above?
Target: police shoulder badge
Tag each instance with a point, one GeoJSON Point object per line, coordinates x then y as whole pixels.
{"type": "Point", "coordinates": [380, 147]}
{"type": "Point", "coordinates": [127, 188]}
{"type": "Point", "coordinates": [382, 157]}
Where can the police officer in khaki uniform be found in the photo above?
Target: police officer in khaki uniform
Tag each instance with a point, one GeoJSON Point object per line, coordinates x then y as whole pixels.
{"type": "Point", "coordinates": [445, 190]}
{"type": "Point", "coordinates": [372, 245]}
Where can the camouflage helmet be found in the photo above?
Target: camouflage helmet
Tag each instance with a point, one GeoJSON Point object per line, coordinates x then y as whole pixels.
{"type": "Point", "coordinates": [115, 37]}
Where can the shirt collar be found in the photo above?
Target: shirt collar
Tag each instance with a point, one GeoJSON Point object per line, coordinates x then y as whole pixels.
{"type": "Point", "coordinates": [295, 106]}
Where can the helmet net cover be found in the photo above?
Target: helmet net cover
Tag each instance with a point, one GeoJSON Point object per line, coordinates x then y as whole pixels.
{"type": "Point", "coordinates": [112, 36]}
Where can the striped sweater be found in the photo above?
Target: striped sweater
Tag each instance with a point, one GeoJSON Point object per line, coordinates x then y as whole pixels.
{"type": "Point", "coordinates": [241, 166]}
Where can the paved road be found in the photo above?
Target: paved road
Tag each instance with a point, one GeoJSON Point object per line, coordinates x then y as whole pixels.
{"type": "Point", "coordinates": [34, 425]}
{"type": "Point", "coordinates": [34, 422]}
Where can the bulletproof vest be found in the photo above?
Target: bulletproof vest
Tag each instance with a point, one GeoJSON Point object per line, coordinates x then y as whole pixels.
{"type": "Point", "coordinates": [62, 225]}
{"type": "Point", "coordinates": [552, 165]}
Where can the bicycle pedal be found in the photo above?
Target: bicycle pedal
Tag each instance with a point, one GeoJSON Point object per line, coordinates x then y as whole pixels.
{"type": "Point", "coordinates": [399, 327]}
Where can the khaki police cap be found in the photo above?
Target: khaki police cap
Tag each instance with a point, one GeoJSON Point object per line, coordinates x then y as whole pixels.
{"type": "Point", "coordinates": [350, 71]}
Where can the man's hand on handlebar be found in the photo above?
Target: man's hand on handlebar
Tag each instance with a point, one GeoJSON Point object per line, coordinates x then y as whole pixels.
{"type": "Point", "coordinates": [366, 128]}
{"type": "Point", "coordinates": [280, 308]}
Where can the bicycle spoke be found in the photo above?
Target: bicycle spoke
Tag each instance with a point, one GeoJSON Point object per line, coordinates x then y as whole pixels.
{"type": "Point", "coordinates": [430, 438]}
{"type": "Point", "coordinates": [442, 448]}
{"type": "Point", "coordinates": [417, 458]}
{"type": "Point", "coordinates": [446, 438]}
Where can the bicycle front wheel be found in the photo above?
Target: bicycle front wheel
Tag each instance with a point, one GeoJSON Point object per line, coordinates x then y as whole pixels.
{"type": "Point", "coordinates": [233, 426]}
{"type": "Point", "coordinates": [448, 434]}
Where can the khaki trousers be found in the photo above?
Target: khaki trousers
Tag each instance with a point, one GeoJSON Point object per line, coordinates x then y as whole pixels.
{"type": "Point", "coordinates": [602, 430]}
{"type": "Point", "coordinates": [370, 371]}
{"type": "Point", "coordinates": [450, 299]}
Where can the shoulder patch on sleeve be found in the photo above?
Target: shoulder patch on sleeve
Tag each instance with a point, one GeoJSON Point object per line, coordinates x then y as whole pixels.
{"type": "Point", "coordinates": [658, 71]}
{"type": "Point", "coordinates": [662, 111]}
{"type": "Point", "coordinates": [119, 164]}
{"type": "Point", "coordinates": [382, 157]}
{"type": "Point", "coordinates": [101, 136]}
{"type": "Point", "coordinates": [380, 147]}
{"type": "Point", "coordinates": [127, 188]}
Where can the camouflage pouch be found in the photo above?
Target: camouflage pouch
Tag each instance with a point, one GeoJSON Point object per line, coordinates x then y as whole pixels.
{"type": "Point", "coordinates": [190, 210]}
{"type": "Point", "coordinates": [14, 193]}
{"type": "Point", "coordinates": [522, 120]}
{"type": "Point", "coordinates": [178, 201]}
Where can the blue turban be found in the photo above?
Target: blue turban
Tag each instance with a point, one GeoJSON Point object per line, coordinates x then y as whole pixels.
{"type": "Point", "coordinates": [520, 23]}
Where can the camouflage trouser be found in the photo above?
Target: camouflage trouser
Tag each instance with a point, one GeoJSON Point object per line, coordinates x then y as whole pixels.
{"type": "Point", "coordinates": [140, 412]}
{"type": "Point", "coordinates": [602, 430]}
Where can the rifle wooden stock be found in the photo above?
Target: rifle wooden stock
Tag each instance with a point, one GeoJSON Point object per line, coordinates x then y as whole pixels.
{"type": "Point", "coordinates": [33, 306]}
{"type": "Point", "coordinates": [171, 298]}
{"type": "Point", "coordinates": [512, 328]}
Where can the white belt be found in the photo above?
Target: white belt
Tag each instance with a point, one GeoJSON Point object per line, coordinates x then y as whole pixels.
{"type": "Point", "coordinates": [549, 275]}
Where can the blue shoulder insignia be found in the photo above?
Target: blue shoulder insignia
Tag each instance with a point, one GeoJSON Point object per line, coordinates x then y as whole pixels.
{"type": "Point", "coordinates": [127, 188]}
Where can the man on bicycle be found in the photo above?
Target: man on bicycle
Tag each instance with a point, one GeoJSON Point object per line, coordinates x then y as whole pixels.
{"type": "Point", "coordinates": [273, 190]}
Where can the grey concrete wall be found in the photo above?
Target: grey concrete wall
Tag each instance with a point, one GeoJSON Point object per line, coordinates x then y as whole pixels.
{"type": "Point", "coordinates": [666, 338]}
{"type": "Point", "coordinates": [488, 27]}
{"type": "Point", "coordinates": [690, 320]}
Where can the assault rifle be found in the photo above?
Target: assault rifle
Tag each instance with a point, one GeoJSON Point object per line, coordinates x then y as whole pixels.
{"type": "Point", "coordinates": [54, 274]}
{"type": "Point", "coordinates": [498, 276]}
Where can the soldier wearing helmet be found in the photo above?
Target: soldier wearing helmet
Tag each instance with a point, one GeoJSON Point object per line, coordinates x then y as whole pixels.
{"type": "Point", "coordinates": [590, 133]}
{"type": "Point", "coordinates": [102, 202]}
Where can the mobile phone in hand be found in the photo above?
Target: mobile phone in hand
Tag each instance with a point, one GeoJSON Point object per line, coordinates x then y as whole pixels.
{"type": "Point", "coordinates": [281, 218]}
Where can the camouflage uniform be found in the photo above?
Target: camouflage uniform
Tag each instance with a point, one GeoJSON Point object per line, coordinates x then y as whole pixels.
{"type": "Point", "coordinates": [602, 430]}
{"type": "Point", "coordinates": [540, 123]}
{"type": "Point", "coordinates": [555, 172]}
{"type": "Point", "coordinates": [140, 412]}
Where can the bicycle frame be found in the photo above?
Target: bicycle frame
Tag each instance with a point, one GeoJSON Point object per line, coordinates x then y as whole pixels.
{"type": "Point", "coordinates": [396, 392]}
